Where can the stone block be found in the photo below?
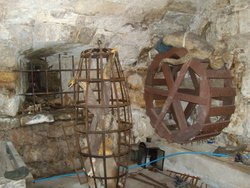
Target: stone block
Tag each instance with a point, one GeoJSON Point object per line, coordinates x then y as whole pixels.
{"type": "Point", "coordinates": [8, 81]}
{"type": "Point", "coordinates": [226, 25]}
{"type": "Point", "coordinates": [82, 35]}
{"type": "Point", "coordinates": [21, 36]}
{"type": "Point", "coordinates": [135, 81]}
{"type": "Point", "coordinates": [141, 125]}
{"type": "Point", "coordinates": [130, 44]}
{"type": "Point", "coordinates": [186, 6]}
{"type": "Point", "coordinates": [36, 119]}
{"type": "Point", "coordinates": [7, 123]}
{"type": "Point", "coordinates": [244, 19]}
{"type": "Point", "coordinates": [9, 106]}
{"type": "Point", "coordinates": [8, 76]}
{"type": "Point", "coordinates": [137, 98]}
{"type": "Point", "coordinates": [240, 41]}
{"type": "Point", "coordinates": [7, 183]}
{"type": "Point", "coordinates": [172, 22]}
{"type": "Point", "coordinates": [51, 32]}
{"type": "Point", "coordinates": [245, 89]}
{"type": "Point", "coordinates": [21, 136]}
{"type": "Point", "coordinates": [59, 15]}
{"type": "Point", "coordinates": [55, 130]}
{"type": "Point", "coordinates": [7, 57]}
{"type": "Point", "coordinates": [5, 34]}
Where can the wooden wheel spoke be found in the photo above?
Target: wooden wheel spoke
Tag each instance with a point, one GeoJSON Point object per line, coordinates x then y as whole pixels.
{"type": "Point", "coordinates": [189, 109]}
{"type": "Point", "coordinates": [161, 124]}
{"type": "Point", "coordinates": [156, 91]}
{"type": "Point", "coordinates": [198, 67]}
{"type": "Point", "coordinates": [168, 75]}
{"type": "Point", "coordinates": [194, 80]}
{"type": "Point", "coordinates": [179, 114]}
{"type": "Point", "coordinates": [192, 98]}
{"type": "Point", "coordinates": [173, 87]}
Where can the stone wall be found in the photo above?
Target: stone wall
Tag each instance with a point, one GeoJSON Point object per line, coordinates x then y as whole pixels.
{"type": "Point", "coordinates": [228, 25]}
{"type": "Point", "coordinates": [33, 30]}
{"type": "Point", "coordinates": [30, 30]}
{"type": "Point", "coordinates": [43, 146]}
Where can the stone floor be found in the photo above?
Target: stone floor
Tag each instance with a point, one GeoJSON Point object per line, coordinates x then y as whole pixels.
{"type": "Point", "coordinates": [226, 175]}
{"type": "Point", "coordinates": [132, 181]}
{"type": "Point", "coordinates": [217, 172]}
{"type": "Point", "coordinates": [213, 171]}
{"type": "Point", "coordinates": [66, 182]}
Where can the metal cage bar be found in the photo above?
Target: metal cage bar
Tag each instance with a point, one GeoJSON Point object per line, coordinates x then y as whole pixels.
{"type": "Point", "coordinates": [103, 117]}
{"type": "Point", "coordinates": [29, 72]}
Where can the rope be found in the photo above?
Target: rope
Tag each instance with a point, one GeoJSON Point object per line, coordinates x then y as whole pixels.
{"type": "Point", "coordinates": [184, 39]}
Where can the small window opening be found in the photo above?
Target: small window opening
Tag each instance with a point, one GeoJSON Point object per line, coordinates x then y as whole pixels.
{"type": "Point", "coordinates": [44, 83]}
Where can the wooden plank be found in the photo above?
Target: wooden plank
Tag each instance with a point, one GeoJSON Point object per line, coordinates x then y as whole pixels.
{"type": "Point", "coordinates": [156, 91]}
{"type": "Point", "coordinates": [159, 97]}
{"type": "Point", "coordinates": [160, 127]}
{"type": "Point", "coordinates": [159, 82]}
{"type": "Point", "coordinates": [222, 92]}
{"type": "Point", "coordinates": [205, 136]}
{"type": "Point", "coordinates": [149, 100]}
{"type": "Point", "coordinates": [214, 127]}
{"type": "Point", "coordinates": [199, 67]}
{"type": "Point", "coordinates": [222, 110]}
{"type": "Point", "coordinates": [181, 119]}
{"type": "Point", "coordinates": [187, 91]}
{"type": "Point", "coordinates": [194, 79]}
{"type": "Point", "coordinates": [168, 76]}
{"type": "Point", "coordinates": [164, 92]}
{"type": "Point", "coordinates": [191, 98]}
{"type": "Point", "coordinates": [219, 74]}
{"type": "Point", "coordinates": [180, 96]}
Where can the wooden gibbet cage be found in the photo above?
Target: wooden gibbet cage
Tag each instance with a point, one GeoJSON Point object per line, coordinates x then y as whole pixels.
{"type": "Point", "coordinates": [188, 102]}
{"type": "Point", "coordinates": [104, 122]}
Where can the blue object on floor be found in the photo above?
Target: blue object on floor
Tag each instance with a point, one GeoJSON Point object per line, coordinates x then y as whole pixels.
{"type": "Point", "coordinates": [209, 141]}
{"type": "Point", "coordinates": [161, 47]}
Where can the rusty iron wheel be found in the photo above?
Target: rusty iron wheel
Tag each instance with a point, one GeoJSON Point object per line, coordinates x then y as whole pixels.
{"type": "Point", "coordinates": [188, 102]}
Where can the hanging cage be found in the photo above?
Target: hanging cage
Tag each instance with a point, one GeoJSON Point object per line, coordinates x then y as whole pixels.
{"type": "Point", "coordinates": [103, 117]}
{"type": "Point", "coordinates": [188, 102]}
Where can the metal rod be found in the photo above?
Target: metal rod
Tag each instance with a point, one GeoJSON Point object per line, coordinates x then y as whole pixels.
{"type": "Point", "coordinates": [73, 74]}
{"type": "Point", "coordinates": [46, 82]}
{"type": "Point", "coordinates": [32, 84]}
{"type": "Point", "coordinates": [71, 157]}
{"type": "Point", "coordinates": [60, 78]}
{"type": "Point", "coordinates": [50, 70]}
{"type": "Point", "coordinates": [44, 93]}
